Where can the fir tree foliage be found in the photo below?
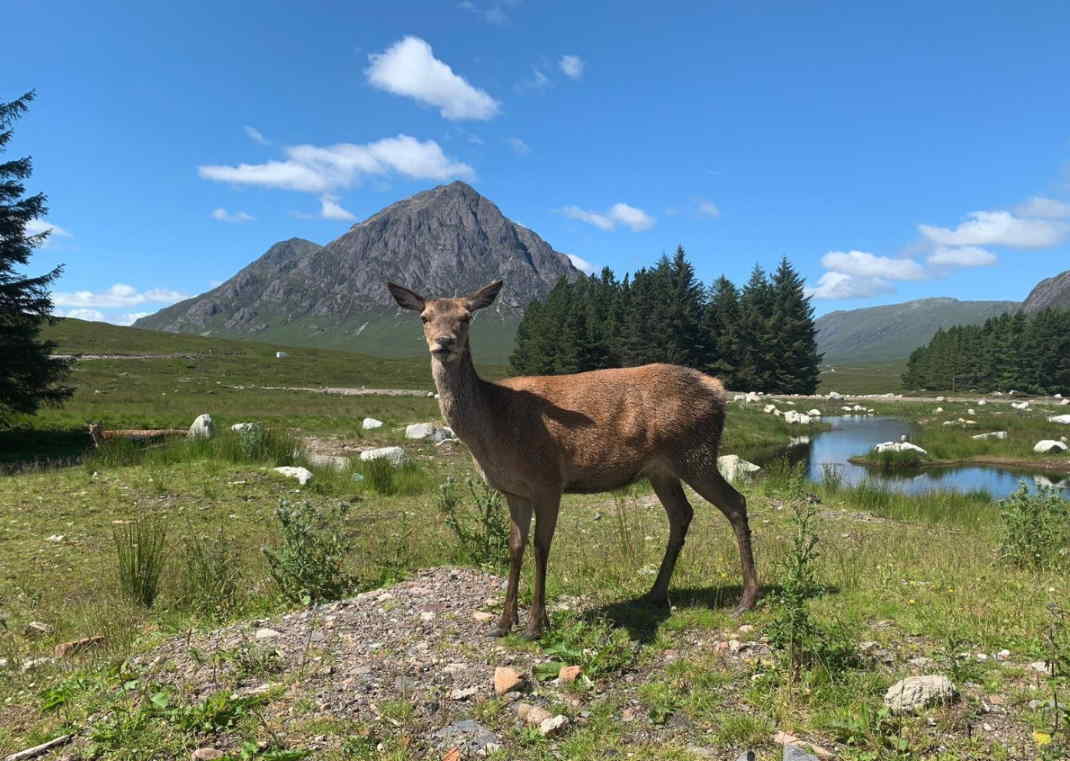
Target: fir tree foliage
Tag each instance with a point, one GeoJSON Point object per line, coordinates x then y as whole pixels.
{"type": "Point", "coordinates": [759, 337]}
{"type": "Point", "coordinates": [1015, 351]}
{"type": "Point", "coordinates": [28, 377]}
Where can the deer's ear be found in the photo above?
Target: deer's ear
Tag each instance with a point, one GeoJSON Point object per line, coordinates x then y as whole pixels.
{"type": "Point", "coordinates": [484, 297]}
{"type": "Point", "coordinates": [406, 299]}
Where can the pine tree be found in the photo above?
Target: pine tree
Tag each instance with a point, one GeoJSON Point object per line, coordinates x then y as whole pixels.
{"type": "Point", "coordinates": [722, 325]}
{"type": "Point", "coordinates": [798, 364]}
{"type": "Point", "coordinates": [756, 335]}
{"type": "Point", "coordinates": [28, 377]}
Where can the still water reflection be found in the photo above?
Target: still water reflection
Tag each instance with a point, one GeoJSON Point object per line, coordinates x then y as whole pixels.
{"type": "Point", "coordinates": [853, 435]}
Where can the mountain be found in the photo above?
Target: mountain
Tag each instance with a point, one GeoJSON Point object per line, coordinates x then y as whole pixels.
{"type": "Point", "coordinates": [1051, 293]}
{"type": "Point", "coordinates": [445, 241]}
{"type": "Point", "coordinates": [891, 332]}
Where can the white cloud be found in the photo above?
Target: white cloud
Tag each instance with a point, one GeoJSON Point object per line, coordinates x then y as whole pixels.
{"type": "Point", "coordinates": [582, 265]}
{"type": "Point", "coordinates": [538, 81]}
{"type": "Point", "coordinates": [620, 213]}
{"type": "Point", "coordinates": [708, 209]}
{"type": "Point", "coordinates": [571, 66]}
{"type": "Point", "coordinates": [329, 209]}
{"type": "Point", "coordinates": [223, 215]}
{"type": "Point", "coordinates": [519, 146]}
{"type": "Point", "coordinates": [997, 228]}
{"type": "Point", "coordinates": [492, 14]}
{"type": "Point", "coordinates": [256, 135]}
{"type": "Point", "coordinates": [410, 68]}
{"type": "Point", "coordinates": [119, 295]}
{"type": "Point", "coordinates": [1048, 208]}
{"type": "Point", "coordinates": [38, 226]}
{"type": "Point", "coordinates": [840, 285]}
{"type": "Point", "coordinates": [590, 217]}
{"type": "Point", "coordinates": [93, 315]}
{"type": "Point", "coordinates": [214, 283]}
{"type": "Point", "coordinates": [133, 317]}
{"type": "Point", "coordinates": [637, 219]}
{"type": "Point", "coordinates": [865, 265]}
{"type": "Point", "coordinates": [316, 169]}
{"type": "Point", "coordinates": [964, 256]}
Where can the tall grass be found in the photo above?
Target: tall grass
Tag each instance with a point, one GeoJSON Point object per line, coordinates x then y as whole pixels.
{"type": "Point", "coordinates": [211, 574]}
{"type": "Point", "coordinates": [139, 547]}
{"type": "Point", "coordinates": [260, 446]}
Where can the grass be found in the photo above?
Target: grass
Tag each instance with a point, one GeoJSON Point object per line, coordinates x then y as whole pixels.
{"type": "Point", "coordinates": [862, 377]}
{"type": "Point", "coordinates": [921, 576]}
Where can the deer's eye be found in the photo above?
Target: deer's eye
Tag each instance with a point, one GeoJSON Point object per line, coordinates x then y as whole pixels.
{"type": "Point", "coordinates": [424, 318]}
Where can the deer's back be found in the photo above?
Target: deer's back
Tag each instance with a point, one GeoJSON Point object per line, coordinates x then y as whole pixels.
{"type": "Point", "coordinates": [623, 416]}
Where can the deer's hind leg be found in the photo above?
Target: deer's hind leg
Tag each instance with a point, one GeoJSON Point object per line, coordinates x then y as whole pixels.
{"type": "Point", "coordinates": [680, 513]}
{"type": "Point", "coordinates": [708, 481]}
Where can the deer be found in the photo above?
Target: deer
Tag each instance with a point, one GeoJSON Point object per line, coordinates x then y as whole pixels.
{"type": "Point", "coordinates": [536, 438]}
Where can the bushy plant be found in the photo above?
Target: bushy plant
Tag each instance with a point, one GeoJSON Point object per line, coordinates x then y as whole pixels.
{"type": "Point", "coordinates": [1036, 529]}
{"type": "Point", "coordinates": [308, 565]}
{"type": "Point", "coordinates": [793, 632]}
{"type": "Point", "coordinates": [379, 476]}
{"type": "Point", "coordinates": [482, 530]}
{"type": "Point", "coordinates": [1057, 655]}
{"type": "Point", "coordinates": [139, 546]}
{"type": "Point", "coordinates": [211, 575]}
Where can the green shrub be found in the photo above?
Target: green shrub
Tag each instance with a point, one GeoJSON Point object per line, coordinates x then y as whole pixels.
{"type": "Point", "coordinates": [379, 476]}
{"type": "Point", "coordinates": [482, 531]}
{"type": "Point", "coordinates": [139, 546]}
{"type": "Point", "coordinates": [307, 566]}
{"type": "Point", "coordinates": [211, 575]}
{"type": "Point", "coordinates": [891, 460]}
{"type": "Point", "coordinates": [598, 646]}
{"type": "Point", "coordinates": [1036, 529]}
{"type": "Point", "coordinates": [802, 641]}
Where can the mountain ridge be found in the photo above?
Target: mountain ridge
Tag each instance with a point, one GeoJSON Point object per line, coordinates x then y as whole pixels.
{"type": "Point", "coordinates": [444, 241]}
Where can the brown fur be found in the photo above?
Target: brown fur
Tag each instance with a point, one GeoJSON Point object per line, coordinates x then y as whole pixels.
{"type": "Point", "coordinates": [98, 435]}
{"type": "Point", "coordinates": [535, 438]}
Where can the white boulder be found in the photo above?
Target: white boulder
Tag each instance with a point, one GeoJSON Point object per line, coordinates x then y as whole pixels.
{"type": "Point", "coordinates": [912, 693]}
{"type": "Point", "coordinates": [769, 408]}
{"type": "Point", "coordinates": [1049, 446]}
{"type": "Point", "coordinates": [938, 410]}
{"type": "Point", "coordinates": [244, 427]}
{"type": "Point", "coordinates": [370, 424]}
{"type": "Point", "coordinates": [281, 355]}
{"type": "Point", "coordinates": [328, 461]}
{"type": "Point", "coordinates": [791, 416]}
{"type": "Point", "coordinates": [202, 428]}
{"type": "Point", "coordinates": [1064, 402]}
{"type": "Point", "coordinates": [899, 446]}
{"type": "Point", "coordinates": [1064, 419]}
{"type": "Point", "coordinates": [753, 396]}
{"type": "Point", "coordinates": [992, 435]}
{"type": "Point", "coordinates": [970, 412]}
{"type": "Point", "coordinates": [394, 455]}
{"type": "Point", "coordinates": [731, 465]}
{"type": "Point", "coordinates": [814, 413]}
{"type": "Point", "coordinates": [1020, 405]}
{"type": "Point", "coordinates": [303, 475]}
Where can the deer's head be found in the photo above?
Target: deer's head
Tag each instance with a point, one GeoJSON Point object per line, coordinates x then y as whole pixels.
{"type": "Point", "coordinates": [446, 320]}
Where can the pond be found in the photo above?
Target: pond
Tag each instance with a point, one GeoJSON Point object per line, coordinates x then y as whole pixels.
{"type": "Point", "coordinates": [852, 436]}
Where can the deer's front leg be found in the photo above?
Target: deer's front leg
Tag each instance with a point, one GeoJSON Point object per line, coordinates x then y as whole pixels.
{"type": "Point", "coordinates": [546, 509]}
{"type": "Point", "coordinates": [520, 512]}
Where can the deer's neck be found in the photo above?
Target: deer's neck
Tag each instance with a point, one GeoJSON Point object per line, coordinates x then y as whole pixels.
{"type": "Point", "coordinates": [461, 395]}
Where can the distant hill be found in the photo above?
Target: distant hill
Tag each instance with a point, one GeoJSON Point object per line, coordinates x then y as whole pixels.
{"type": "Point", "coordinates": [1053, 292]}
{"type": "Point", "coordinates": [443, 242]}
{"type": "Point", "coordinates": [878, 334]}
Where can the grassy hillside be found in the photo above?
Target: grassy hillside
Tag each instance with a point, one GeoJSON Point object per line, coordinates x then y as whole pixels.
{"type": "Point", "coordinates": [863, 377]}
{"type": "Point", "coordinates": [893, 331]}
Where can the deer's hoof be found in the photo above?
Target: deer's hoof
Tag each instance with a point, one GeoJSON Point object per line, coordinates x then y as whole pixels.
{"type": "Point", "coordinates": [655, 600]}
{"type": "Point", "coordinates": [499, 631]}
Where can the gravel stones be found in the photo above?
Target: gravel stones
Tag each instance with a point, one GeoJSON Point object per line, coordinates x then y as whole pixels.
{"type": "Point", "coordinates": [916, 692]}
{"type": "Point", "coordinates": [469, 736]}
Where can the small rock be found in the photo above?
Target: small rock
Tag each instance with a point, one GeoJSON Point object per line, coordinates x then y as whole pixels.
{"type": "Point", "coordinates": [464, 694]}
{"type": "Point", "coordinates": [1041, 667]}
{"type": "Point", "coordinates": [244, 427]}
{"type": "Point", "coordinates": [628, 714]}
{"type": "Point", "coordinates": [569, 673]}
{"type": "Point", "coordinates": [419, 430]}
{"type": "Point", "coordinates": [468, 736]}
{"type": "Point", "coordinates": [74, 647]}
{"type": "Point", "coordinates": [483, 617]}
{"type": "Point", "coordinates": [36, 629]}
{"type": "Point", "coordinates": [328, 461]}
{"type": "Point", "coordinates": [33, 663]}
{"type": "Point", "coordinates": [1003, 655]}
{"type": "Point", "coordinates": [56, 538]}
{"type": "Point", "coordinates": [797, 753]}
{"type": "Point", "coordinates": [303, 475]}
{"type": "Point", "coordinates": [202, 428]}
{"type": "Point", "coordinates": [533, 715]}
{"type": "Point", "coordinates": [265, 633]}
{"type": "Point", "coordinates": [370, 424]}
{"type": "Point", "coordinates": [746, 629]}
{"type": "Point", "coordinates": [206, 754]}
{"type": "Point", "coordinates": [916, 692]}
{"type": "Point", "coordinates": [506, 679]}
{"type": "Point", "coordinates": [427, 616]}
{"type": "Point", "coordinates": [455, 668]}
{"type": "Point", "coordinates": [553, 726]}
{"type": "Point", "coordinates": [394, 455]}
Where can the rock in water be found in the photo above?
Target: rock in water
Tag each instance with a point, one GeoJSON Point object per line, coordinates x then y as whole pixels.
{"type": "Point", "coordinates": [916, 692]}
{"type": "Point", "coordinates": [202, 428]}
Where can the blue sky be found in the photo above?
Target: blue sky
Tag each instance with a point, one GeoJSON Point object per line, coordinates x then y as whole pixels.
{"type": "Point", "coordinates": [891, 153]}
